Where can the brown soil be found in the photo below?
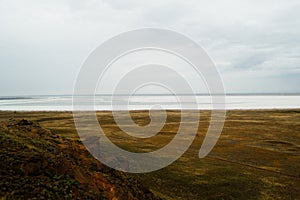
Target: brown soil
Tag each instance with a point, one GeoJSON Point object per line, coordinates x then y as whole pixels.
{"type": "Point", "coordinates": [38, 164]}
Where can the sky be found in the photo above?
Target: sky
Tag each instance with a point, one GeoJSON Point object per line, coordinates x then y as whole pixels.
{"type": "Point", "coordinates": [255, 44]}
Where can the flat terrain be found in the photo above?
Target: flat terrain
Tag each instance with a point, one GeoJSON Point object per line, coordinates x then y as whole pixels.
{"type": "Point", "coordinates": [256, 157]}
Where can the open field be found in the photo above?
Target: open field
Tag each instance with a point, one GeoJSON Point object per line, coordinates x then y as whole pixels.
{"type": "Point", "coordinates": [256, 157]}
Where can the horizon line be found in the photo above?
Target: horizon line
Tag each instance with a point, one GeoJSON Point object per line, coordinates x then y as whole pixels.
{"type": "Point", "coordinates": [163, 94]}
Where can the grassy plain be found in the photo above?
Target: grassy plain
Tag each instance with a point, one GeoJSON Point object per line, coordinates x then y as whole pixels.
{"type": "Point", "coordinates": [256, 157]}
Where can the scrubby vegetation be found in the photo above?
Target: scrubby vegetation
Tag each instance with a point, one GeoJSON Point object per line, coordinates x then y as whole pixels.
{"type": "Point", "coordinates": [256, 157]}
{"type": "Point", "coordinates": [38, 164]}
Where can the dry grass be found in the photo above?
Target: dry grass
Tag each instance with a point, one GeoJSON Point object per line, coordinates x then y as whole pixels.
{"type": "Point", "coordinates": [257, 156]}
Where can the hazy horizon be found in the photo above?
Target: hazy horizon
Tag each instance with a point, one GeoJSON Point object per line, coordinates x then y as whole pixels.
{"type": "Point", "coordinates": [160, 94]}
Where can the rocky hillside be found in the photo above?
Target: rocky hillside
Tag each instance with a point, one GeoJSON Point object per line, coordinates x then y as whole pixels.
{"type": "Point", "coordinates": [37, 164]}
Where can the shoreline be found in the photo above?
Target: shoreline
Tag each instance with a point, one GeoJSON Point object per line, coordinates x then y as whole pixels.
{"type": "Point", "coordinates": [143, 110]}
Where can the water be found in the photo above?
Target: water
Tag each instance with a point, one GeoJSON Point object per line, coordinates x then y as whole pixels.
{"type": "Point", "coordinates": [64, 103]}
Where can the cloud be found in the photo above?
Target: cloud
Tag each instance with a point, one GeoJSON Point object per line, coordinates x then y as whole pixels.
{"type": "Point", "coordinates": [49, 40]}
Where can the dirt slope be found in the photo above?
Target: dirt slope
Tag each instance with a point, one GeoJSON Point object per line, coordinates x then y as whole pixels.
{"type": "Point", "coordinates": [37, 164]}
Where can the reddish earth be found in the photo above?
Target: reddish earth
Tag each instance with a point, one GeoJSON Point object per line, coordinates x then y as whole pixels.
{"type": "Point", "coordinates": [38, 164]}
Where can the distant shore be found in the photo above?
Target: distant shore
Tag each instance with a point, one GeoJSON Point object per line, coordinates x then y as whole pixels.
{"type": "Point", "coordinates": [144, 102]}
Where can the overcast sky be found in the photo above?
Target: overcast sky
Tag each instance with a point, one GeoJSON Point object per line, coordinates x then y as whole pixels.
{"type": "Point", "coordinates": [254, 43]}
